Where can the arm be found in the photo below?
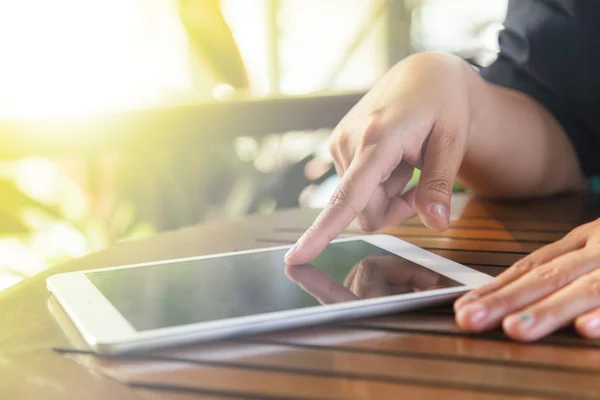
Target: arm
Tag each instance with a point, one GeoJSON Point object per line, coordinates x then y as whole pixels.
{"type": "Point", "coordinates": [549, 57]}
{"type": "Point", "coordinates": [516, 148]}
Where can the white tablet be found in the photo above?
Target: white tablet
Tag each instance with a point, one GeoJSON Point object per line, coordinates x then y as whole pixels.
{"type": "Point", "coordinates": [153, 305]}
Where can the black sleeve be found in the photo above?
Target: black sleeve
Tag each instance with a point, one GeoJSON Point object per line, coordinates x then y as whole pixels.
{"type": "Point", "coordinates": [550, 50]}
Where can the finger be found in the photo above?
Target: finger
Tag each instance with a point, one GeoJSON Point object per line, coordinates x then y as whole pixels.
{"type": "Point", "coordinates": [400, 208]}
{"type": "Point", "coordinates": [398, 180]}
{"type": "Point", "coordinates": [555, 311]}
{"type": "Point", "coordinates": [441, 161]}
{"type": "Point", "coordinates": [349, 199]}
{"type": "Point", "coordinates": [338, 148]}
{"type": "Point", "coordinates": [375, 216]}
{"type": "Point", "coordinates": [588, 324]}
{"type": "Point", "coordinates": [542, 281]}
{"type": "Point", "coordinates": [521, 267]}
{"type": "Point", "coordinates": [372, 217]}
{"type": "Point", "coordinates": [338, 169]}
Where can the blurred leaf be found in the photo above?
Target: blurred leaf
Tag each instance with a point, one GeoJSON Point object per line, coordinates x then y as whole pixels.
{"type": "Point", "coordinates": [13, 204]}
{"type": "Point", "coordinates": [12, 199]}
{"type": "Point", "coordinates": [11, 224]}
{"type": "Point", "coordinates": [122, 219]}
{"type": "Point", "coordinates": [97, 234]}
{"type": "Point", "coordinates": [213, 41]}
{"type": "Point", "coordinates": [140, 231]}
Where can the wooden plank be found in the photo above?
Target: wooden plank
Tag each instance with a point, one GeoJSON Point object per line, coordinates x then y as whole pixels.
{"type": "Point", "coordinates": [256, 382]}
{"type": "Point", "coordinates": [564, 209]}
{"type": "Point", "coordinates": [484, 223]}
{"type": "Point", "coordinates": [508, 246]}
{"type": "Point", "coordinates": [459, 233]}
{"type": "Point", "coordinates": [487, 269]}
{"type": "Point", "coordinates": [463, 349]}
{"type": "Point", "coordinates": [394, 366]}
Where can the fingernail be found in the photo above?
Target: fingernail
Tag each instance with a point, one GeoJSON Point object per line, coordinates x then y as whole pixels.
{"type": "Point", "coordinates": [291, 251]}
{"type": "Point", "coordinates": [591, 323]}
{"type": "Point", "coordinates": [522, 321]}
{"type": "Point", "coordinates": [475, 313]}
{"type": "Point", "coordinates": [439, 210]}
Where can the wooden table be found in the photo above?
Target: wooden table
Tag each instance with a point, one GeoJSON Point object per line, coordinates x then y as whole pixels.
{"type": "Point", "coordinates": [410, 356]}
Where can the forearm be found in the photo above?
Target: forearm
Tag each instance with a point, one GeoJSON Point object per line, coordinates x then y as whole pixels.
{"type": "Point", "coordinates": [515, 147]}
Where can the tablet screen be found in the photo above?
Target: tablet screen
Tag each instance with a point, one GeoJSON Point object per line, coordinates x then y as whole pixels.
{"type": "Point", "coordinates": [193, 291]}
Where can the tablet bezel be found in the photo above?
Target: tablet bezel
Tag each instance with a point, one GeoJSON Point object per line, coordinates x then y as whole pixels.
{"type": "Point", "coordinates": [108, 332]}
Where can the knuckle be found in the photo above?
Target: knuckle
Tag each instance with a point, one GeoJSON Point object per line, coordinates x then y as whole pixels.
{"type": "Point", "coordinates": [333, 146]}
{"type": "Point", "coordinates": [582, 231]}
{"type": "Point", "coordinates": [341, 199]}
{"type": "Point", "coordinates": [591, 286]}
{"type": "Point", "coordinates": [372, 133]}
{"type": "Point", "coordinates": [551, 276]}
{"type": "Point", "coordinates": [367, 224]}
{"type": "Point", "coordinates": [448, 138]}
{"type": "Point", "coordinates": [337, 142]}
{"type": "Point", "coordinates": [523, 266]}
{"type": "Point", "coordinates": [448, 133]}
{"type": "Point", "coordinates": [439, 185]}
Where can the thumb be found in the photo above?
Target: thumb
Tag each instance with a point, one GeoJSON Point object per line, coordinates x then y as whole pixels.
{"type": "Point", "coordinates": [442, 158]}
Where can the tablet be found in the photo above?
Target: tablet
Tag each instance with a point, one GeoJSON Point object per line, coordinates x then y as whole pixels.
{"type": "Point", "coordinates": [153, 305]}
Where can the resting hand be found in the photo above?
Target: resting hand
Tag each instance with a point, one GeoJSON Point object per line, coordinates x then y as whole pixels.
{"type": "Point", "coordinates": [553, 287]}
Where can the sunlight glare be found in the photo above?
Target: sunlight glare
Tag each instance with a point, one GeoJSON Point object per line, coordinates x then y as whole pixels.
{"type": "Point", "coordinates": [72, 57]}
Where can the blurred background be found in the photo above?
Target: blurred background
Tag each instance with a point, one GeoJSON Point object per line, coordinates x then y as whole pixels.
{"type": "Point", "coordinates": [123, 118]}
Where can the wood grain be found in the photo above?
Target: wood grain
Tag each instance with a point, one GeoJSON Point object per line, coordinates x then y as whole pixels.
{"type": "Point", "coordinates": [462, 349]}
{"type": "Point", "coordinates": [396, 367]}
{"type": "Point", "coordinates": [283, 383]}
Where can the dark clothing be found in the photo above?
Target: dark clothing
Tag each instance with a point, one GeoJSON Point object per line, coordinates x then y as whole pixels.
{"type": "Point", "coordinates": [550, 50]}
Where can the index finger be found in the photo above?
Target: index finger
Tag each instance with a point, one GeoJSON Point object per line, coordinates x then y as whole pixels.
{"type": "Point", "coordinates": [349, 199]}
